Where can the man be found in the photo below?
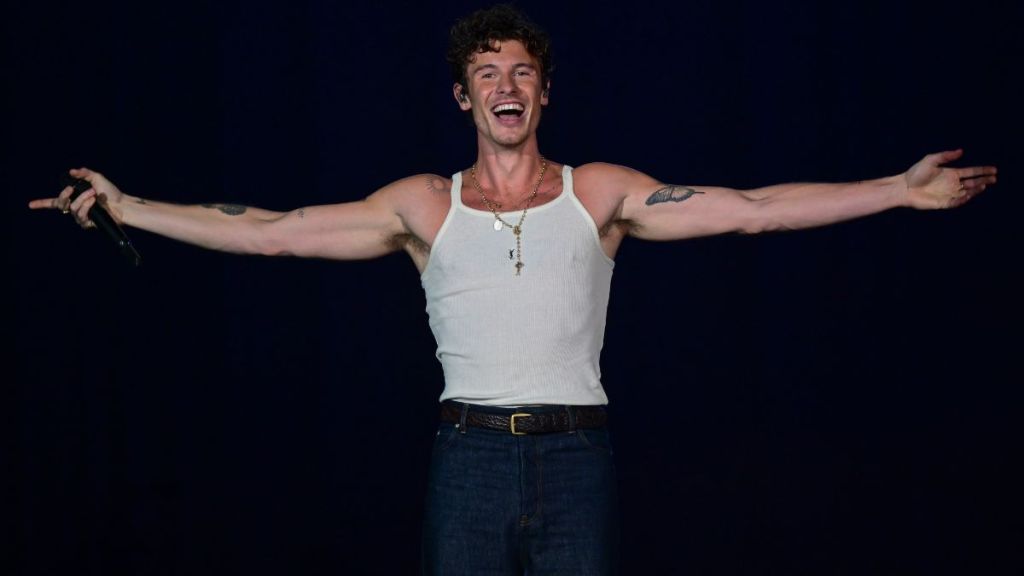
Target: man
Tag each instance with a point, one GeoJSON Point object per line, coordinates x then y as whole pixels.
{"type": "Point", "coordinates": [516, 255]}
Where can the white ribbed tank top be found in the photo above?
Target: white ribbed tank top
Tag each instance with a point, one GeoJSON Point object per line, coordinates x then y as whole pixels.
{"type": "Point", "coordinates": [507, 340]}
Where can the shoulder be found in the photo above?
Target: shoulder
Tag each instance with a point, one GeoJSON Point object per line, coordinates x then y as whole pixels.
{"type": "Point", "coordinates": [599, 170]}
{"type": "Point", "coordinates": [417, 185]}
{"type": "Point", "coordinates": [413, 191]}
{"type": "Point", "coordinates": [603, 178]}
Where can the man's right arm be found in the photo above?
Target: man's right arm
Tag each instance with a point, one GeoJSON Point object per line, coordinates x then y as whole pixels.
{"type": "Point", "coordinates": [348, 231]}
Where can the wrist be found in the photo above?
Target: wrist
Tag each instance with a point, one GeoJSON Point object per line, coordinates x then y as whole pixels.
{"type": "Point", "coordinates": [899, 190]}
{"type": "Point", "coordinates": [125, 209]}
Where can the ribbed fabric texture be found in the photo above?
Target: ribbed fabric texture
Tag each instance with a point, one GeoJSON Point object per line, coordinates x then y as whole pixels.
{"type": "Point", "coordinates": [507, 340]}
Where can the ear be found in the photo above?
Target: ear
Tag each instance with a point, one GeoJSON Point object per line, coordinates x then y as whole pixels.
{"type": "Point", "coordinates": [544, 94]}
{"type": "Point", "coordinates": [461, 97]}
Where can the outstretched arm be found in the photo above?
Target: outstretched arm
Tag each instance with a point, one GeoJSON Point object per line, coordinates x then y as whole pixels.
{"type": "Point", "coordinates": [353, 230]}
{"type": "Point", "coordinates": [658, 211]}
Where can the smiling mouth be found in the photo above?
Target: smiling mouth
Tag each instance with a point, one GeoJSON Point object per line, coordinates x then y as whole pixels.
{"type": "Point", "coordinates": [510, 111]}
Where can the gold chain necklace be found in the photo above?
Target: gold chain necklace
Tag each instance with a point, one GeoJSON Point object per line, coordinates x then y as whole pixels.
{"type": "Point", "coordinates": [517, 229]}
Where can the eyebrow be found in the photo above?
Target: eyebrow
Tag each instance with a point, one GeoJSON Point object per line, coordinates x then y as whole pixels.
{"type": "Point", "coordinates": [514, 67]}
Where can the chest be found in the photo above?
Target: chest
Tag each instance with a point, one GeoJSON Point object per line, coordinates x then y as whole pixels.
{"type": "Point", "coordinates": [554, 238]}
{"type": "Point", "coordinates": [425, 223]}
{"type": "Point", "coordinates": [473, 199]}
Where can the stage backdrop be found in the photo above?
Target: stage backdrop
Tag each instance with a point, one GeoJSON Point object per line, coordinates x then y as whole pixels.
{"type": "Point", "coordinates": [842, 400]}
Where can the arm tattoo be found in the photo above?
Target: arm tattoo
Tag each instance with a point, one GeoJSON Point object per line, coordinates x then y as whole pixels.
{"type": "Point", "coordinates": [436, 184]}
{"type": "Point", "coordinates": [229, 209]}
{"type": "Point", "coordinates": [671, 193]}
{"type": "Point", "coordinates": [302, 212]}
{"type": "Point", "coordinates": [140, 201]}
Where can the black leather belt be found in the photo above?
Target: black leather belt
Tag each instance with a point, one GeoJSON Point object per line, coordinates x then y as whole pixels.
{"type": "Point", "coordinates": [524, 421]}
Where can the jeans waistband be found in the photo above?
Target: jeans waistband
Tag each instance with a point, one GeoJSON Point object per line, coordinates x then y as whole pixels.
{"type": "Point", "coordinates": [544, 419]}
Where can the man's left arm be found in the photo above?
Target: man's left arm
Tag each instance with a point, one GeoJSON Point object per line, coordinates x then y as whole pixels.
{"type": "Point", "coordinates": [658, 211]}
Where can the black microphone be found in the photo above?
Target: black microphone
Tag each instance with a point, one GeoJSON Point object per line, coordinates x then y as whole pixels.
{"type": "Point", "coordinates": [104, 221]}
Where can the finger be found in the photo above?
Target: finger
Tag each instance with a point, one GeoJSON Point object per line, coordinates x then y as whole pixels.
{"type": "Point", "coordinates": [961, 200]}
{"type": "Point", "coordinates": [82, 212]}
{"type": "Point", "coordinates": [82, 198]}
{"type": "Point", "coordinates": [45, 204]}
{"type": "Point", "coordinates": [942, 157]}
{"type": "Point", "coordinates": [967, 194]}
{"type": "Point", "coordinates": [63, 200]}
{"type": "Point", "coordinates": [971, 183]}
{"type": "Point", "coordinates": [58, 203]}
{"type": "Point", "coordinates": [975, 171]}
{"type": "Point", "coordinates": [975, 189]}
{"type": "Point", "coordinates": [81, 206]}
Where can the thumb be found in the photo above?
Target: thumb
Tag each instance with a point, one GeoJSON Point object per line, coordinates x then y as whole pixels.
{"type": "Point", "coordinates": [85, 174]}
{"type": "Point", "coordinates": [939, 158]}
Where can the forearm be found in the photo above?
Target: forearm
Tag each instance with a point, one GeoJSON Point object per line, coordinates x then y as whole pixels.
{"type": "Point", "coordinates": [223, 227]}
{"type": "Point", "coordinates": [807, 205]}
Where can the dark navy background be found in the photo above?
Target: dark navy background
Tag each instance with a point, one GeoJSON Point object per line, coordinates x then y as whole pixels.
{"type": "Point", "coordinates": [844, 400]}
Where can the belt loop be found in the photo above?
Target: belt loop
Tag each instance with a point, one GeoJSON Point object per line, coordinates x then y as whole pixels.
{"type": "Point", "coordinates": [572, 418]}
{"type": "Point", "coordinates": [462, 418]}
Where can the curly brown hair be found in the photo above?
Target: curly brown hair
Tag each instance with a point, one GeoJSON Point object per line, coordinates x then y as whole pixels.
{"type": "Point", "coordinates": [477, 33]}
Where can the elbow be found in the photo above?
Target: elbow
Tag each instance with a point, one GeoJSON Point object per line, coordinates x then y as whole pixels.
{"type": "Point", "coordinates": [750, 225]}
{"type": "Point", "coordinates": [753, 222]}
{"type": "Point", "coordinates": [265, 240]}
{"type": "Point", "coordinates": [273, 251]}
{"type": "Point", "coordinates": [762, 227]}
{"type": "Point", "coordinates": [761, 218]}
{"type": "Point", "coordinates": [750, 216]}
{"type": "Point", "coordinates": [272, 247]}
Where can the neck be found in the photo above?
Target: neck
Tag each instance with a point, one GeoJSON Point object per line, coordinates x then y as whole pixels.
{"type": "Point", "coordinates": [509, 173]}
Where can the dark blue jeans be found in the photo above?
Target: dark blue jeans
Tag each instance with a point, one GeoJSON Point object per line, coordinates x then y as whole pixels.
{"type": "Point", "coordinates": [503, 504]}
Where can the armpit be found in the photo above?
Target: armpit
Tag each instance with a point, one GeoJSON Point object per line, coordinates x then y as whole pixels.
{"type": "Point", "coordinates": [410, 243]}
{"type": "Point", "coordinates": [617, 227]}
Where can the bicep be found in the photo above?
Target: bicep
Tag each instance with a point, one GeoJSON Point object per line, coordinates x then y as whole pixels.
{"type": "Point", "coordinates": [348, 231]}
{"type": "Point", "coordinates": [659, 211]}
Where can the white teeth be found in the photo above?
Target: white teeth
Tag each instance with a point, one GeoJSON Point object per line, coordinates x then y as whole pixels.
{"type": "Point", "coordinates": [510, 106]}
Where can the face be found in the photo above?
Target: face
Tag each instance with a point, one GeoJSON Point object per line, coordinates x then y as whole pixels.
{"type": "Point", "coordinates": [504, 94]}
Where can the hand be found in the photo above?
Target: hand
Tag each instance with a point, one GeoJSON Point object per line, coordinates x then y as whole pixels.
{"type": "Point", "coordinates": [931, 186]}
{"type": "Point", "coordinates": [102, 191]}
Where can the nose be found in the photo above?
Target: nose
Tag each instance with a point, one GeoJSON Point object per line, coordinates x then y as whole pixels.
{"type": "Point", "coordinates": [506, 84]}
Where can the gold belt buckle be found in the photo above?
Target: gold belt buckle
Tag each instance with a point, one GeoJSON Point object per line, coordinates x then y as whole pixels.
{"type": "Point", "coordinates": [512, 422]}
